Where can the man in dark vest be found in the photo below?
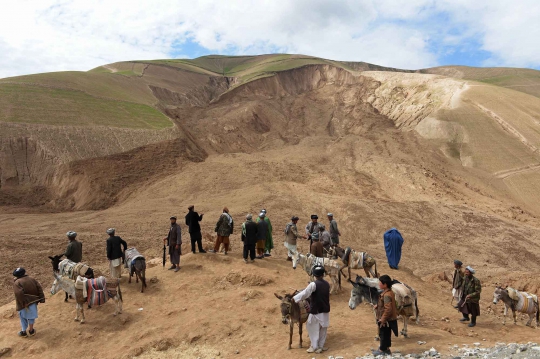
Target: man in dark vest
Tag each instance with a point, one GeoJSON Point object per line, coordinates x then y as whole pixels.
{"type": "Point", "coordinates": [174, 241]}
{"type": "Point", "coordinates": [319, 316]}
{"type": "Point", "coordinates": [194, 228]}
{"type": "Point", "coordinates": [74, 248]}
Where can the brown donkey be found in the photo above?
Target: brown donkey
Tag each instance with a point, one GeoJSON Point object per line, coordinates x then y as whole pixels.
{"type": "Point", "coordinates": [292, 312]}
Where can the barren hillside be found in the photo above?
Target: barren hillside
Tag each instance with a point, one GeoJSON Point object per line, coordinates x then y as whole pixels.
{"type": "Point", "coordinates": [451, 162]}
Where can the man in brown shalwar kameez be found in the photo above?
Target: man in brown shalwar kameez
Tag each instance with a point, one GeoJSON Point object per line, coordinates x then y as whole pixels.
{"type": "Point", "coordinates": [174, 241]}
{"type": "Point", "coordinates": [470, 297]}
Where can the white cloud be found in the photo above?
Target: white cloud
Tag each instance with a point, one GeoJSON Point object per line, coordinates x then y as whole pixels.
{"type": "Point", "coordinates": [56, 35]}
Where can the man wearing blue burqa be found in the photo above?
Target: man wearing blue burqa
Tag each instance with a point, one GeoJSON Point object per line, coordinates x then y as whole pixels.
{"type": "Point", "coordinates": [392, 245]}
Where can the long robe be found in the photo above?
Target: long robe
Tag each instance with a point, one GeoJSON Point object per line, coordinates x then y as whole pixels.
{"type": "Point", "coordinates": [392, 245]}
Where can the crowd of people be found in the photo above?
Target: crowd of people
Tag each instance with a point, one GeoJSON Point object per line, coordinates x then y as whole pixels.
{"type": "Point", "coordinates": [257, 239]}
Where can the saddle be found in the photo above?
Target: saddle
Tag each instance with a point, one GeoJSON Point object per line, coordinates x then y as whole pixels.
{"type": "Point", "coordinates": [305, 308]}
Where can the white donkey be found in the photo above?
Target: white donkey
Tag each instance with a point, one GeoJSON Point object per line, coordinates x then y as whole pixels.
{"type": "Point", "coordinates": [69, 286]}
{"type": "Point", "coordinates": [367, 289]}
{"type": "Point", "coordinates": [331, 267]}
{"type": "Point", "coordinates": [522, 302]}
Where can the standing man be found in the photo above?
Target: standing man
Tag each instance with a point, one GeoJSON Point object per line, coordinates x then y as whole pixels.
{"type": "Point", "coordinates": [224, 228]}
{"type": "Point", "coordinates": [115, 253]}
{"type": "Point", "coordinates": [174, 241]}
{"type": "Point", "coordinates": [316, 248]}
{"type": "Point", "coordinates": [457, 281]}
{"type": "Point", "coordinates": [392, 245]}
{"type": "Point", "coordinates": [386, 316]}
{"type": "Point", "coordinates": [74, 248]}
{"type": "Point", "coordinates": [334, 231]}
{"type": "Point", "coordinates": [269, 244]}
{"type": "Point", "coordinates": [262, 232]}
{"type": "Point", "coordinates": [291, 236]}
{"type": "Point", "coordinates": [470, 297]}
{"type": "Point", "coordinates": [324, 237]}
{"type": "Point", "coordinates": [28, 293]}
{"type": "Point", "coordinates": [319, 316]}
{"type": "Point", "coordinates": [194, 228]}
{"type": "Point", "coordinates": [249, 237]}
{"type": "Point", "coordinates": [312, 227]}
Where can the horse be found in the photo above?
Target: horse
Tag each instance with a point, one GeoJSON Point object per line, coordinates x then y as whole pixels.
{"type": "Point", "coordinates": [367, 289]}
{"type": "Point", "coordinates": [331, 267]}
{"type": "Point", "coordinates": [522, 302]}
{"type": "Point", "coordinates": [71, 287]}
{"type": "Point", "coordinates": [292, 312]}
{"type": "Point", "coordinates": [355, 260]}
{"type": "Point", "coordinates": [136, 264]}
{"type": "Point", "coordinates": [70, 269]}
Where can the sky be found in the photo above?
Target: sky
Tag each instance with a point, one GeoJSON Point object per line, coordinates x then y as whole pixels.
{"type": "Point", "coordinates": [60, 35]}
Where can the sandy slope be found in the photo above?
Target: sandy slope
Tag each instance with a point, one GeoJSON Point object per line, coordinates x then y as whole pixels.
{"type": "Point", "coordinates": [309, 140]}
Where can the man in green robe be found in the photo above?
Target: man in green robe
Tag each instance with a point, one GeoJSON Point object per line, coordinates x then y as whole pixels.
{"type": "Point", "coordinates": [269, 244]}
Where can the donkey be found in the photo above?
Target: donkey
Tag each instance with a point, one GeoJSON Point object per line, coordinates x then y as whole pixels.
{"type": "Point", "coordinates": [520, 303]}
{"type": "Point", "coordinates": [366, 289]}
{"type": "Point", "coordinates": [331, 267]}
{"type": "Point", "coordinates": [88, 272]}
{"type": "Point", "coordinates": [69, 286]}
{"type": "Point", "coordinates": [292, 312]}
{"type": "Point", "coordinates": [355, 260]}
{"type": "Point", "coordinates": [136, 264]}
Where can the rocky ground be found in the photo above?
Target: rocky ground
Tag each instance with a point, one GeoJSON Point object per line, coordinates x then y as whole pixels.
{"type": "Point", "coordinates": [500, 351]}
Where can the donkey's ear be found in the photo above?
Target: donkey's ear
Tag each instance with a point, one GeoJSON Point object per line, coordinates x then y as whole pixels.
{"type": "Point", "coordinates": [51, 258]}
{"type": "Point", "coordinates": [356, 285]}
{"type": "Point", "coordinates": [278, 296]}
{"type": "Point", "coordinates": [358, 279]}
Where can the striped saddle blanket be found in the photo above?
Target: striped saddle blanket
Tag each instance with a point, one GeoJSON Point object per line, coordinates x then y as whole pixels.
{"type": "Point", "coordinates": [131, 254]}
{"type": "Point", "coordinates": [71, 269]}
{"type": "Point", "coordinates": [312, 262]}
{"type": "Point", "coordinates": [526, 302]}
{"type": "Point", "coordinates": [97, 291]}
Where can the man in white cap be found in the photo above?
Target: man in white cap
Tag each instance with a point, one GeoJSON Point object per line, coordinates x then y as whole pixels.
{"type": "Point", "coordinates": [333, 229]}
{"type": "Point", "coordinates": [470, 297]}
{"type": "Point", "coordinates": [319, 316]}
{"type": "Point", "coordinates": [262, 231]}
{"type": "Point", "coordinates": [291, 237]}
{"type": "Point", "coordinates": [74, 248]}
{"type": "Point", "coordinates": [269, 243]}
{"type": "Point", "coordinates": [115, 253]}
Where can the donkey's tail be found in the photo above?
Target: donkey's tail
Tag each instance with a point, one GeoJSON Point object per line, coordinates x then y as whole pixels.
{"type": "Point", "coordinates": [417, 310]}
{"type": "Point", "coordinates": [339, 281]}
{"type": "Point", "coordinates": [376, 273]}
{"type": "Point", "coordinates": [537, 312]}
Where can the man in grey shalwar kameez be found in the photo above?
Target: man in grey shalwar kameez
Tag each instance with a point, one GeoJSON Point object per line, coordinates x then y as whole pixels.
{"type": "Point", "coordinates": [174, 241]}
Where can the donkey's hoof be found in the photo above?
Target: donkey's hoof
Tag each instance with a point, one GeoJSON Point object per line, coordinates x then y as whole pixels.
{"type": "Point", "coordinates": [82, 321]}
{"type": "Point", "coordinates": [76, 319]}
{"type": "Point", "coordinates": [289, 347]}
{"type": "Point", "coordinates": [300, 346]}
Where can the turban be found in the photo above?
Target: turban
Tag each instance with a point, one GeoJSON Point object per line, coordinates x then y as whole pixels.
{"type": "Point", "coordinates": [330, 215]}
{"type": "Point", "coordinates": [249, 216]}
{"type": "Point", "coordinates": [173, 217]}
{"type": "Point", "coordinates": [470, 269]}
{"type": "Point", "coordinates": [322, 226]}
{"type": "Point", "coordinates": [458, 262]}
{"type": "Point", "coordinates": [294, 218]}
{"type": "Point", "coordinates": [111, 231]}
{"type": "Point", "coordinates": [191, 207]}
{"type": "Point", "coordinates": [71, 234]}
{"type": "Point", "coordinates": [19, 272]}
{"type": "Point", "coordinates": [314, 216]}
{"type": "Point", "coordinates": [263, 211]}
{"type": "Point", "coordinates": [261, 214]}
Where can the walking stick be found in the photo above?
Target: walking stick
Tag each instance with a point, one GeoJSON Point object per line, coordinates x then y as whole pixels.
{"type": "Point", "coordinates": [164, 256]}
